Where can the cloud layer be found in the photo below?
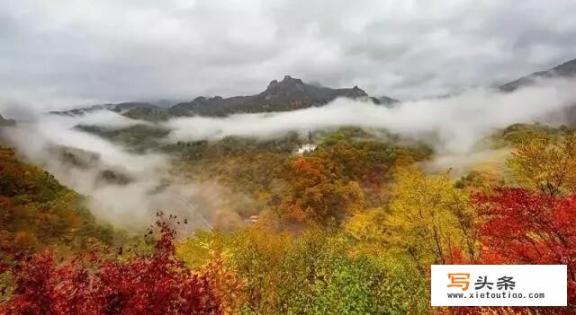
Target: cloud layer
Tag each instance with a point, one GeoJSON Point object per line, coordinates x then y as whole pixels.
{"type": "Point", "coordinates": [67, 52]}
{"type": "Point", "coordinates": [456, 123]}
{"type": "Point", "coordinates": [127, 188]}
{"type": "Point", "coordinates": [121, 187]}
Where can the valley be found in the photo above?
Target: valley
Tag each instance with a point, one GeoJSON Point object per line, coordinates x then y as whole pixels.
{"type": "Point", "coordinates": [299, 200]}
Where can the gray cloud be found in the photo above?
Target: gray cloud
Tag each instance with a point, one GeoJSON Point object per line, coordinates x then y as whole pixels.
{"type": "Point", "coordinates": [64, 52]}
{"type": "Point", "coordinates": [120, 187]}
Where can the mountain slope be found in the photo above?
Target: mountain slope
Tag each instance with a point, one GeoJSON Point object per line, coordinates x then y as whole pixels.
{"type": "Point", "coordinates": [385, 100]}
{"type": "Point", "coordinates": [567, 69]}
{"type": "Point", "coordinates": [122, 108]}
{"type": "Point", "coordinates": [37, 211]}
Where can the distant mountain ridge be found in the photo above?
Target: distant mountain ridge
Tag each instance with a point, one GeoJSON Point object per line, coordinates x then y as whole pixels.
{"type": "Point", "coordinates": [285, 95]}
{"type": "Point", "coordinates": [567, 69]}
{"type": "Point", "coordinates": [288, 94]}
{"type": "Point", "coordinates": [564, 70]}
{"type": "Point", "coordinates": [119, 107]}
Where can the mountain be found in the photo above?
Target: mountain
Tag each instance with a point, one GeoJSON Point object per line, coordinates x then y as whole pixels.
{"type": "Point", "coordinates": [122, 108]}
{"type": "Point", "coordinates": [285, 95]}
{"type": "Point", "coordinates": [146, 112]}
{"type": "Point", "coordinates": [6, 122]}
{"type": "Point", "coordinates": [385, 100]}
{"type": "Point", "coordinates": [83, 110]}
{"type": "Point", "coordinates": [567, 69]}
{"type": "Point", "coordinates": [288, 94]}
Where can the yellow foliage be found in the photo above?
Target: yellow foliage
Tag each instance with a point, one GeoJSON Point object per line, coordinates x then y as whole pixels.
{"type": "Point", "coordinates": [543, 163]}
{"type": "Point", "coordinates": [209, 253]}
{"type": "Point", "coordinates": [430, 219]}
{"type": "Point", "coordinates": [227, 285]}
{"type": "Point", "coordinates": [199, 250]}
{"type": "Point", "coordinates": [367, 226]}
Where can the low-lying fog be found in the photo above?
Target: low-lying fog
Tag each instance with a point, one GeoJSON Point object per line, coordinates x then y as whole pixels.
{"type": "Point", "coordinates": [90, 164]}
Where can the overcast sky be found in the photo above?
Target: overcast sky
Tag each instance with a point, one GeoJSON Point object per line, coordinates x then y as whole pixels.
{"type": "Point", "coordinates": [60, 53]}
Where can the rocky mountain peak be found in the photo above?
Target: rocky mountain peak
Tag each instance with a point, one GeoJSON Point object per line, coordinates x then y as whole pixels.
{"type": "Point", "coordinates": [286, 87]}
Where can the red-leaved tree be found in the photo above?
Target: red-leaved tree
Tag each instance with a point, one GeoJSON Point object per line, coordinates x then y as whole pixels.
{"type": "Point", "coordinates": [524, 227]}
{"type": "Point", "coordinates": [156, 284]}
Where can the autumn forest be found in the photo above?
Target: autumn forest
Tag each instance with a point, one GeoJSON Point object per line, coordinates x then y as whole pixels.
{"type": "Point", "coordinates": [350, 227]}
{"type": "Point", "coordinates": [271, 157]}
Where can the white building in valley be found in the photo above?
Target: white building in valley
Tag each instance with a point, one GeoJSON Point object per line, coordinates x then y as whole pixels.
{"type": "Point", "coordinates": [306, 148]}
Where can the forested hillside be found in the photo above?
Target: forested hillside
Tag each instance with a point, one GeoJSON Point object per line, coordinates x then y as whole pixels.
{"type": "Point", "coordinates": [257, 157]}
{"type": "Point", "coordinates": [38, 212]}
{"type": "Point", "coordinates": [349, 226]}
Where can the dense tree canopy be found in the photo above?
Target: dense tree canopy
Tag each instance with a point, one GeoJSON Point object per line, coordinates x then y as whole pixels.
{"type": "Point", "coordinates": [37, 211]}
{"type": "Point", "coordinates": [544, 163]}
{"type": "Point", "coordinates": [349, 227]}
{"type": "Point", "coordinates": [158, 284]}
